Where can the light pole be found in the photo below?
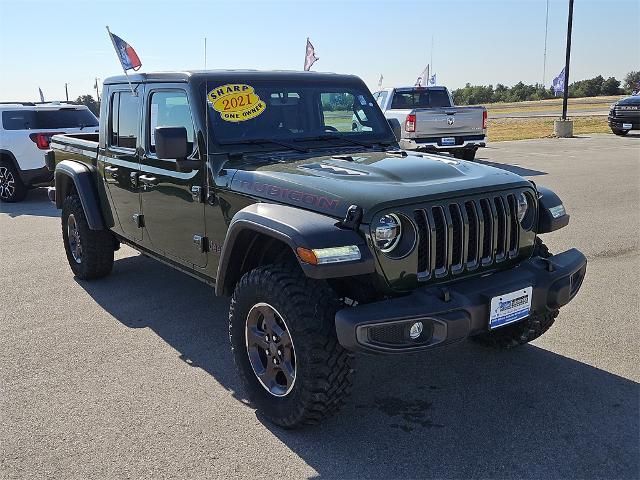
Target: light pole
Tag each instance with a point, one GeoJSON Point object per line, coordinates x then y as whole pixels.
{"type": "Point", "coordinates": [565, 97]}
{"type": "Point", "coordinates": [564, 127]}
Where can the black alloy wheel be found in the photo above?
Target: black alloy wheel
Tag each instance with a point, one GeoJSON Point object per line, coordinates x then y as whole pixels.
{"type": "Point", "coordinates": [270, 349]}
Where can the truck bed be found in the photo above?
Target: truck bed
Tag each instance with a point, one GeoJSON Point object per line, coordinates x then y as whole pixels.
{"type": "Point", "coordinates": [76, 146]}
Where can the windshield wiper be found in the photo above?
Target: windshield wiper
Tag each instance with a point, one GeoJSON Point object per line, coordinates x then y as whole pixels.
{"type": "Point", "coordinates": [254, 141]}
{"type": "Point", "coordinates": [340, 137]}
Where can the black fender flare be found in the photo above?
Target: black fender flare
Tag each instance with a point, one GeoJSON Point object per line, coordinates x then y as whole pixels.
{"type": "Point", "coordinates": [547, 200]}
{"type": "Point", "coordinates": [81, 176]}
{"type": "Point", "coordinates": [296, 228]}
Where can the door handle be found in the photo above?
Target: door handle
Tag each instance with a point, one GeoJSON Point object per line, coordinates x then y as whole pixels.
{"type": "Point", "coordinates": [113, 171]}
{"type": "Point", "coordinates": [148, 180]}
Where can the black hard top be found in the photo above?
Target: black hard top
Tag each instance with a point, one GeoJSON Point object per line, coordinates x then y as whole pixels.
{"type": "Point", "coordinates": [194, 75]}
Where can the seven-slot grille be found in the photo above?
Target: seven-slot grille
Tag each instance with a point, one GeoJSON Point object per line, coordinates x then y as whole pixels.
{"type": "Point", "coordinates": [467, 234]}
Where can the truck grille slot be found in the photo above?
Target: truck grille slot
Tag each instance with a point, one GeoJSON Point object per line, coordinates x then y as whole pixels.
{"type": "Point", "coordinates": [423, 242]}
{"type": "Point", "coordinates": [440, 240]}
{"type": "Point", "coordinates": [619, 113]}
{"type": "Point", "coordinates": [456, 237]}
{"type": "Point", "coordinates": [474, 229]}
{"type": "Point", "coordinates": [502, 227]}
{"type": "Point", "coordinates": [513, 232]}
{"type": "Point", "coordinates": [487, 231]}
{"type": "Point", "coordinates": [461, 236]}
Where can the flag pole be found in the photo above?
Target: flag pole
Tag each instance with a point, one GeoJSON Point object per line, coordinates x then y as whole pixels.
{"type": "Point", "coordinates": [133, 92]}
{"type": "Point", "coordinates": [431, 62]}
{"type": "Point", "coordinates": [546, 29]}
{"type": "Point", "coordinates": [565, 96]}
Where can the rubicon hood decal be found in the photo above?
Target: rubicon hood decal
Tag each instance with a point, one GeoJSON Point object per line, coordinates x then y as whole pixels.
{"type": "Point", "coordinates": [287, 195]}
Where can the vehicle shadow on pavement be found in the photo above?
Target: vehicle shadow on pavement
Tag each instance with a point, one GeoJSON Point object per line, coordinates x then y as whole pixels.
{"type": "Point", "coordinates": [36, 204]}
{"type": "Point", "coordinates": [457, 412]}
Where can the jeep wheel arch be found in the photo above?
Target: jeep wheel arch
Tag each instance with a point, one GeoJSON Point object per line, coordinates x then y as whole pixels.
{"type": "Point", "coordinates": [70, 174]}
{"type": "Point", "coordinates": [280, 226]}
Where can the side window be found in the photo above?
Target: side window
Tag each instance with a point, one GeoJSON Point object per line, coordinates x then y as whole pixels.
{"type": "Point", "coordinates": [170, 109]}
{"type": "Point", "coordinates": [18, 120]}
{"type": "Point", "coordinates": [381, 98]}
{"type": "Point", "coordinates": [124, 120]}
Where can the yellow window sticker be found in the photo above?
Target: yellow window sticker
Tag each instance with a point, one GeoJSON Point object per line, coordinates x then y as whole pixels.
{"type": "Point", "coordinates": [236, 102]}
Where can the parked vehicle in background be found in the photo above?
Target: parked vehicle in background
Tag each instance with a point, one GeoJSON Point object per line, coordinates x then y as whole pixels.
{"type": "Point", "coordinates": [327, 240]}
{"type": "Point", "coordinates": [430, 121]}
{"type": "Point", "coordinates": [25, 132]}
{"type": "Point", "coordinates": [625, 115]}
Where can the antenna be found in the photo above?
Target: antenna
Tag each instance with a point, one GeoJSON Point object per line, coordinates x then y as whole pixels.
{"type": "Point", "coordinates": [546, 29]}
{"type": "Point", "coordinates": [205, 53]}
{"type": "Point", "coordinates": [431, 62]}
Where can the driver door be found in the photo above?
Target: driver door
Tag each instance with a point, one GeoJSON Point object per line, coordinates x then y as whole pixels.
{"type": "Point", "coordinates": [174, 214]}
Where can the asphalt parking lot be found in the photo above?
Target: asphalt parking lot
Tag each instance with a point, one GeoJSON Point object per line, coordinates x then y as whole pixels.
{"type": "Point", "coordinates": [131, 375]}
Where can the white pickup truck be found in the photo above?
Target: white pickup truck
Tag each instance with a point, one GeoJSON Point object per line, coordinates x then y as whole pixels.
{"type": "Point", "coordinates": [430, 121]}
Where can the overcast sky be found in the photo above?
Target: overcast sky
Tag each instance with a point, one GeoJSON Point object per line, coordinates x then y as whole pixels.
{"type": "Point", "coordinates": [47, 43]}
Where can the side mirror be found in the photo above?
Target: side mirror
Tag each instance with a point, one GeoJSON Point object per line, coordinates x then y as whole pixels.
{"type": "Point", "coordinates": [394, 123]}
{"type": "Point", "coordinates": [171, 143]}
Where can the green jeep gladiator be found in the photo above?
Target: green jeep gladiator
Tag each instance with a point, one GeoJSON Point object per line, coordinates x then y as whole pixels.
{"type": "Point", "coordinates": [328, 241]}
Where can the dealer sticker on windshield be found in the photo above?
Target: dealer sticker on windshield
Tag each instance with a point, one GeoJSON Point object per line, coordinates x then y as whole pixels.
{"type": "Point", "coordinates": [236, 102]}
{"type": "Point", "coordinates": [509, 308]}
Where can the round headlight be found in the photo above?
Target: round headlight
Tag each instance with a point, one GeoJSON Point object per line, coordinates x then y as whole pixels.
{"type": "Point", "coordinates": [388, 232]}
{"type": "Point", "coordinates": [523, 206]}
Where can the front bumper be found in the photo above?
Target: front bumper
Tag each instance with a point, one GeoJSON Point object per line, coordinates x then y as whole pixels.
{"type": "Point", "coordinates": [453, 312]}
{"type": "Point", "coordinates": [619, 122]}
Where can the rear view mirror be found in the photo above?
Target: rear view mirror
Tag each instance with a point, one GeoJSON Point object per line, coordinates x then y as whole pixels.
{"type": "Point", "coordinates": [394, 123]}
{"type": "Point", "coordinates": [171, 143]}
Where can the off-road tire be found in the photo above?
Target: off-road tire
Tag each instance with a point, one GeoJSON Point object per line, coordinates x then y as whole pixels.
{"type": "Point", "coordinates": [97, 245]}
{"type": "Point", "coordinates": [12, 189]}
{"type": "Point", "coordinates": [323, 367]}
{"type": "Point", "coordinates": [525, 331]}
{"type": "Point", "coordinates": [620, 133]}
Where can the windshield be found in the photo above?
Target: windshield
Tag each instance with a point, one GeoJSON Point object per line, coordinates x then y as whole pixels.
{"type": "Point", "coordinates": [272, 110]}
{"type": "Point", "coordinates": [420, 98]}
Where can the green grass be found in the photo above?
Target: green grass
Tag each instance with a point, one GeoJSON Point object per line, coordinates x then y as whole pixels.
{"type": "Point", "coordinates": [340, 119]}
{"type": "Point", "coordinates": [502, 129]}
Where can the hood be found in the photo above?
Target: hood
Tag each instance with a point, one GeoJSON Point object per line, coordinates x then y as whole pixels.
{"type": "Point", "coordinates": [372, 180]}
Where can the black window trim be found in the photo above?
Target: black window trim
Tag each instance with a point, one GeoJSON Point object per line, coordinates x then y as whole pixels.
{"type": "Point", "coordinates": [147, 121]}
{"type": "Point", "coordinates": [118, 148]}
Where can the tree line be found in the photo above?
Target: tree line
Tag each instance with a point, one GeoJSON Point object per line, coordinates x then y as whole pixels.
{"type": "Point", "coordinates": [477, 94]}
{"type": "Point", "coordinates": [592, 87]}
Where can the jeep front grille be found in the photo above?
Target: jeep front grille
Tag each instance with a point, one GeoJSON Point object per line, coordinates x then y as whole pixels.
{"type": "Point", "coordinates": [463, 235]}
